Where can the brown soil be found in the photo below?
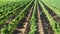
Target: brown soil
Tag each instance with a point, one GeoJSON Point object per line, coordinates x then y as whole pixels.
{"type": "Point", "coordinates": [23, 27]}
{"type": "Point", "coordinates": [47, 29]}
{"type": "Point", "coordinates": [51, 12]}
{"type": "Point", "coordinates": [40, 27]}
{"type": "Point", "coordinates": [46, 25]}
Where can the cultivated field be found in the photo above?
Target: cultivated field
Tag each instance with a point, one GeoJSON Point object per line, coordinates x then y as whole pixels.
{"type": "Point", "coordinates": [29, 17]}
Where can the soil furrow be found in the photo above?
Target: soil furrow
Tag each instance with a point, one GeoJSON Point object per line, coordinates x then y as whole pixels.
{"type": "Point", "coordinates": [51, 12]}
{"type": "Point", "coordinates": [9, 19]}
{"type": "Point", "coordinates": [46, 25]}
{"type": "Point", "coordinates": [40, 27]}
{"type": "Point", "coordinates": [23, 27]}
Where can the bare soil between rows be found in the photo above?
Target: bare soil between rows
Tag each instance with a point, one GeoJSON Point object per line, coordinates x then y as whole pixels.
{"type": "Point", "coordinates": [47, 29]}
{"type": "Point", "coordinates": [24, 27]}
